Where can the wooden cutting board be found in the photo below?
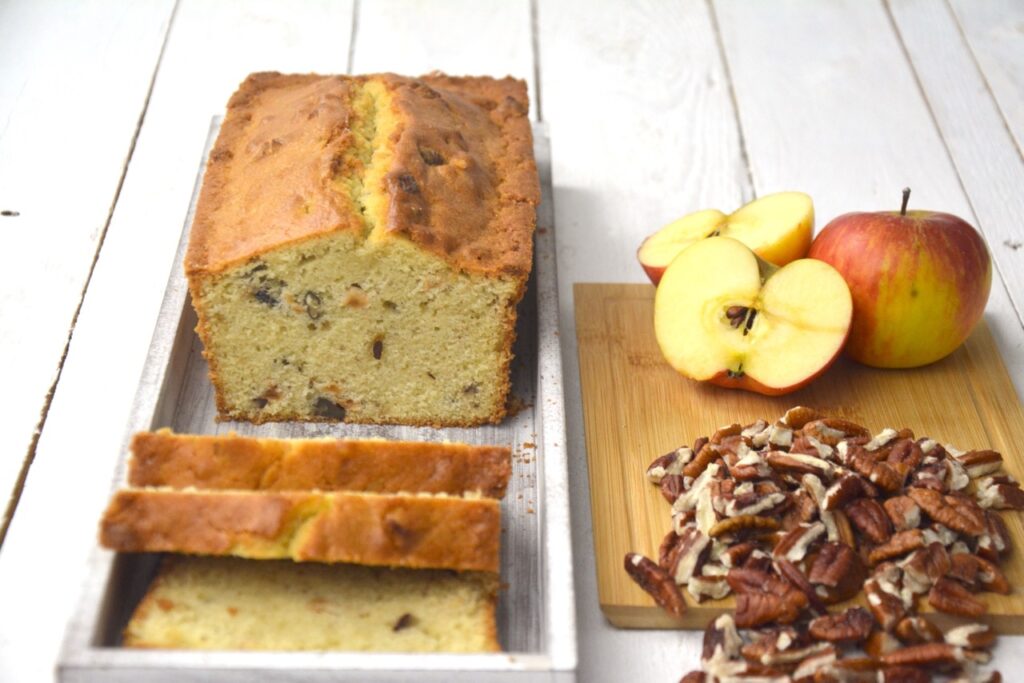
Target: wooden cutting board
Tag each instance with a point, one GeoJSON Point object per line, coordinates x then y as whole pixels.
{"type": "Point", "coordinates": [635, 407]}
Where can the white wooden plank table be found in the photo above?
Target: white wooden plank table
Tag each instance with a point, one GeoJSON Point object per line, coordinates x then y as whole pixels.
{"type": "Point", "coordinates": [654, 109]}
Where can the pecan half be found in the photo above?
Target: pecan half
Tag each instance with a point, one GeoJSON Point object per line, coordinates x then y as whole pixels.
{"type": "Point", "coordinates": [771, 641]}
{"type": "Point", "coordinates": [798, 416]}
{"type": "Point", "coordinates": [667, 549]}
{"type": "Point", "coordinates": [974, 636]}
{"type": "Point", "coordinates": [964, 568]}
{"type": "Point", "coordinates": [713, 587]}
{"type": "Point", "coordinates": [721, 640]}
{"type": "Point", "coordinates": [899, 544]}
{"type": "Point", "coordinates": [880, 643]}
{"type": "Point", "coordinates": [916, 630]}
{"type": "Point", "coordinates": [722, 432]}
{"type": "Point", "coordinates": [951, 597]}
{"type": "Point", "coordinates": [837, 572]}
{"type": "Point", "coordinates": [881, 474]}
{"type": "Point", "coordinates": [925, 566]}
{"type": "Point", "coordinates": [669, 463]}
{"type": "Point", "coordinates": [747, 523]}
{"type": "Point", "coordinates": [903, 512]}
{"type": "Point", "coordinates": [690, 552]}
{"type": "Point", "coordinates": [870, 518]}
{"type": "Point", "coordinates": [996, 539]}
{"type": "Point", "coordinates": [844, 529]}
{"type": "Point", "coordinates": [791, 573]}
{"type": "Point", "coordinates": [926, 655]}
{"type": "Point", "coordinates": [704, 457]}
{"type": "Point", "coordinates": [887, 608]}
{"type": "Point", "coordinates": [843, 490]}
{"type": "Point", "coordinates": [800, 464]}
{"type": "Point", "coordinates": [999, 493]}
{"type": "Point", "coordinates": [956, 511]}
{"type": "Point", "coordinates": [904, 455]}
{"type": "Point", "coordinates": [881, 439]}
{"type": "Point", "coordinates": [832, 430]}
{"type": "Point", "coordinates": [656, 582]}
{"type": "Point", "coordinates": [672, 486]}
{"type": "Point", "coordinates": [793, 546]}
{"type": "Point", "coordinates": [851, 626]}
{"type": "Point", "coordinates": [991, 577]}
{"type": "Point", "coordinates": [735, 555]}
{"type": "Point", "coordinates": [757, 609]}
{"type": "Point", "coordinates": [808, 445]}
{"type": "Point", "coordinates": [980, 463]}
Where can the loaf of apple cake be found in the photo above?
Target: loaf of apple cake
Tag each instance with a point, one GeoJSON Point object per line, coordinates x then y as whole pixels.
{"type": "Point", "coordinates": [360, 245]}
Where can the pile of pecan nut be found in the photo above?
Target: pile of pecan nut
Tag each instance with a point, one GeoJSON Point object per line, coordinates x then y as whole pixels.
{"type": "Point", "coordinates": [807, 512]}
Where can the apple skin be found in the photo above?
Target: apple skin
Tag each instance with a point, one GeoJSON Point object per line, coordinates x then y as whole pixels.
{"type": "Point", "coordinates": [801, 319]}
{"type": "Point", "coordinates": [919, 282]}
{"type": "Point", "coordinates": [748, 383]}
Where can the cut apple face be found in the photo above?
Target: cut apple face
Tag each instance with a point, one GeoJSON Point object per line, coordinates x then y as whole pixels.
{"type": "Point", "coordinates": [724, 316]}
{"type": "Point", "coordinates": [777, 227]}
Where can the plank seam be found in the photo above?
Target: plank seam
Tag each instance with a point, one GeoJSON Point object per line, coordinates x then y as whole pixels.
{"type": "Point", "coordinates": [984, 79]}
{"type": "Point", "coordinates": [19, 483]}
{"type": "Point", "coordinates": [352, 37]}
{"type": "Point", "coordinates": [949, 152]}
{"type": "Point", "coordinates": [750, 191]}
{"type": "Point", "coordinates": [535, 49]}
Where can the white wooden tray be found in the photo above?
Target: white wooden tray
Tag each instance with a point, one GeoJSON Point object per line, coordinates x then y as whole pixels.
{"type": "Point", "coordinates": [536, 613]}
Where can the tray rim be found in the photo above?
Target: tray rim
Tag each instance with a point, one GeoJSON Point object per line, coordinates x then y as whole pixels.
{"type": "Point", "coordinates": [80, 658]}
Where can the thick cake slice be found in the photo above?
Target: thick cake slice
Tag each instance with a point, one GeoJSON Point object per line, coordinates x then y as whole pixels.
{"type": "Point", "coordinates": [163, 458]}
{"type": "Point", "coordinates": [231, 604]}
{"type": "Point", "coordinates": [429, 531]}
{"type": "Point", "coordinates": [360, 245]}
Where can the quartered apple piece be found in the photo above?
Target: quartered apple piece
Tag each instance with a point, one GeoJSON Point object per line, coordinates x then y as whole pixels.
{"type": "Point", "coordinates": [725, 316]}
{"type": "Point", "coordinates": [777, 227]}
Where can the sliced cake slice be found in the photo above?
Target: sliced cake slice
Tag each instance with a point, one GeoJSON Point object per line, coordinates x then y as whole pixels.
{"type": "Point", "coordinates": [231, 604]}
{"type": "Point", "coordinates": [164, 458]}
{"type": "Point", "coordinates": [429, 531]}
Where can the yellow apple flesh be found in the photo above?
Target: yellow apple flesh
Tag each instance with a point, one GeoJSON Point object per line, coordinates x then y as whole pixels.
{"type": "Point", "coordinates": [724, 316]}
{"type": "Point", "coordinates": [777, 227]}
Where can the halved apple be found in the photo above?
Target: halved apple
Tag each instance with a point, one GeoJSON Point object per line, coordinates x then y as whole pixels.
{"type": "Point", "coordinates": [777, 227]}
{"type": "Point", "coordinates": [725, 316]}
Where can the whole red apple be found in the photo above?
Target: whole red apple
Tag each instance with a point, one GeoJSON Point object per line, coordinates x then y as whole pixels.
{"type": "Point", "coordinates": [919, 280]}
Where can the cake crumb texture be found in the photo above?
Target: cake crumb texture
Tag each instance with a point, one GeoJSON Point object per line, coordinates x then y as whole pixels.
{"type": "Point", "coordinates": [360, 245]}
{"type": "Point", "coordinates": [230, 604]}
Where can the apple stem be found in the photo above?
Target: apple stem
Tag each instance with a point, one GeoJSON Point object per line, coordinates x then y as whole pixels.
{"type": "Point", "coordinates": [906, 198]}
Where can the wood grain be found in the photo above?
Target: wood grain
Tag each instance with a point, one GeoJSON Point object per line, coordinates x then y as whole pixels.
{"type": "Point", "coordinates": [210, 48]}
{"type": "Point", "coordinates": [73, 84]}
{"type": "Point", "coordinates": [643, 129]}
{"type": "Point", "coordinates": [858, 127]}
{"type": "Point", "coordinates": [983, 151]}
{"type": "Point", "coordinates": [636, 407]}
{"type": "Point", "coordinates": [435, 38]}
{"type": "Point", "coordinates": [995, 30]}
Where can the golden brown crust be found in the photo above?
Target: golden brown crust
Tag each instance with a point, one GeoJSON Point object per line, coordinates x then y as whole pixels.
{"type": "Point", "coordinates": [236, 462]}
{"type": "Point", "coordinates": [371, 529]}
{"type": "Point", "coordinates": [462, 181]}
